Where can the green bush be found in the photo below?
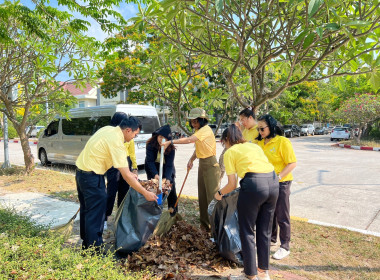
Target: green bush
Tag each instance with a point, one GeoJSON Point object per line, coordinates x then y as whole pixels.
{"type": "Point", "coordinates": [374, 134]}
{"type": "Point", "coordinates": [12, 133]}
{"type": "Point", "coordinates": [29, 251]}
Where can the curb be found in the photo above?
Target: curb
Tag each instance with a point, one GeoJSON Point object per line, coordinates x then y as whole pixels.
{"type": "Point", "coordinates": [18, 141]}
{"type": "Point", "coordinates": [363, 231]}
{"type": "Point", "coordinates": [364, 148]}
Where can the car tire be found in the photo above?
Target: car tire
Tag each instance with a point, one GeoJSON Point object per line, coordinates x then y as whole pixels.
{"type": "Point", "coordinates": [331, 139]}
{"type": "Point", "coordinates": [43, 158]}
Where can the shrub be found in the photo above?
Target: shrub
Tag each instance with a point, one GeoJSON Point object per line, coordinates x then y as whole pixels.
{"type": "Point", "coordinates": [29, 251]}
{"type": "Point", "coordinates": [12, 133]}
{"type": "Point", "coordinates": [374, 134]}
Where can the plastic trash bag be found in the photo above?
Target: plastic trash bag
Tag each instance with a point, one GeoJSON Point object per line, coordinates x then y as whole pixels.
{"type": "Point", "coordinates": [225, 227]}
{"type": "Point", "coordinates": [136, 220]}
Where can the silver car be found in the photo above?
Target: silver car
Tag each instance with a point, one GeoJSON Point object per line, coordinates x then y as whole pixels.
{"type": "Point", "coordinates": [307, 129]}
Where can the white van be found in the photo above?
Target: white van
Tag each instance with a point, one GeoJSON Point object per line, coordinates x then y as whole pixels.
{"type": "Point", "coordinates": [64, 139]}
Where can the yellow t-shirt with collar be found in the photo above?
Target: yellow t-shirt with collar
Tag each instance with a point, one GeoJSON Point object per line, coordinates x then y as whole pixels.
{"type": "Point", "coordinates": [131, 153]}
{"type": "Point", "coordinates": [246, 157]}
{"type": "Point", "coordinates": [251, 134]}
{"type": "Point", "coordinates": [103, 150]}
{"type": "Point", "coordinates": [280, 153]}
{"type": "Point", "coordinates": [205, 146]}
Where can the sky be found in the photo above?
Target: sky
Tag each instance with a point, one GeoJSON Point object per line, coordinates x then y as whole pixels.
{"type": "Point", "coordinates": [126, 10]}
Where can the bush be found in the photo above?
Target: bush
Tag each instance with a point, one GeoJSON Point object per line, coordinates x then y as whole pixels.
{"type": "Point", "coordinates": [29, 251]}
{"type": "Point", "coordinates": [12, 133]}
{"type": "Point", "coordinates": [374, 134]}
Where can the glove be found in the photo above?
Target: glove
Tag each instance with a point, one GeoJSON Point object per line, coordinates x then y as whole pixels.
{"type": "Point", "coordinates": [173, 211]}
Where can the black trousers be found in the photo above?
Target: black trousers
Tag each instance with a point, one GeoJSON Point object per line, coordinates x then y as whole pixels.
{"type": "Point", "coordinates": [255, 206]}
{"type": "Point", "coordinates": [113, 186]}
{"type": "Point", "coordinates": [93, 201]}
{"type": "Point", "coordinates": [282, 216]}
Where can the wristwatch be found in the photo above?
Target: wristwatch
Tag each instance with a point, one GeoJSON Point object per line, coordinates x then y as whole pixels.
{"type": "Point", "coordinates": [220, 193]}
{"type": "Point", "coordinates": [172, 142]}
{"type": "Point", "coordinates": [279, 176]}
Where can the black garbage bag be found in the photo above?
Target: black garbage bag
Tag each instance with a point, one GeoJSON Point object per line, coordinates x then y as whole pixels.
{"type": "Point", "coordinates": [136, 220]}
{"type": "Point", "coordinates": [225, 227]}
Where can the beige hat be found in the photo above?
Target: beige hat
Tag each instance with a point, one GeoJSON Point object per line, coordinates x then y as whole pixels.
{"type": "Point", "coordinates": [197, 113]}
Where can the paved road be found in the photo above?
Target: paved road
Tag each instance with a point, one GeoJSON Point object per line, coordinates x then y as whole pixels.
{"type": "Point", "coordinates": [332, 185]}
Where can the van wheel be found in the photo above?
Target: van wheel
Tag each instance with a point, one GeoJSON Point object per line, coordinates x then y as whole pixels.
{"type": "Point", "coordinates": [43, 158]}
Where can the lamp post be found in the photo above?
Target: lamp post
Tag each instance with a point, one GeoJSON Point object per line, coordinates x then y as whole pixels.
{"type": "Point", "coordinates": [6, 163]}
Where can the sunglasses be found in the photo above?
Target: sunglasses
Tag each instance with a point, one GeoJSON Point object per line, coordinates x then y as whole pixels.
{"type": "Point", "coordinates": [262, 128]}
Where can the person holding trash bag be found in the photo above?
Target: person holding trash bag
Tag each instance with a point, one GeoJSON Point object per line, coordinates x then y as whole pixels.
{"type": "Point", "coordinates": [205, 151]}
{"type": "Point", "coordinates": [247, 120]}
{"type": "Point", "coordinates": [152, 161]}
{"type": "Point", "coordinates": [102, 151]}
{"type": "Point", "coordinates": [113, 175]}
{"type": "Point", "coordinates": [280, 153]}
{"type": "Point", "coordinates": [256, 201]}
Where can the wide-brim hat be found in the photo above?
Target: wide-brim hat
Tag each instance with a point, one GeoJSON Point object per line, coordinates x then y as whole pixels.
{"type": "Point", "coordinates": [164, 131]}
{"type": "Point", "coordinates": [197, 113]}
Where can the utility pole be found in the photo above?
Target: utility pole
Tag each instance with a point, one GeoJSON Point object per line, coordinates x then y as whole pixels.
{"type": "Point", "coordinates": [6, 163]}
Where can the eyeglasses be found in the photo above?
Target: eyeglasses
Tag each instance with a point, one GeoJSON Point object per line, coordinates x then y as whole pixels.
{"type": "Point", "coordinates": [262, 128]}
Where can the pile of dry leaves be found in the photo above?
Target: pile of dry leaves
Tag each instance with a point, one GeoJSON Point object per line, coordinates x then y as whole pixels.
{"type": "Point", "coordinates": [153, 186]}
{"type": "Point", "coordinates": [183, 250]}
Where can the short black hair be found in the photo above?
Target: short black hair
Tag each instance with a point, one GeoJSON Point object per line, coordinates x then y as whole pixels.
{"type": "Point", "coordinates": [247, 112]}
{"type": "Point", "coordinates": [202, 122]}
{"type": "Point", "coordinates": [130, 122]}
{"type": "Point", "coordinates": [274, 128]}
{"type": "Point", "coordinates": [117, 118]}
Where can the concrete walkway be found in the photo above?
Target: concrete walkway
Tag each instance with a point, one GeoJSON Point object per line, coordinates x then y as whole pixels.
{"type": "Point", "coordinates": [42, 208]}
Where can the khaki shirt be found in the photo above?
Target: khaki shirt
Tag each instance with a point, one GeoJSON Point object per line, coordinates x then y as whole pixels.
{"type": "Point", "coordinates": [103, 150]}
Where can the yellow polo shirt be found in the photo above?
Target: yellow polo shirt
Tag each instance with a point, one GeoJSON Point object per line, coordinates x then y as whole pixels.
{"type": "Point", "coordinates": [205, 146]}
{"type": "Point", "coordinates": [130, 148]}
{"type": "Point", "coordinates": [103, 150]}
{"type": "Point", "coordinates": [246, 157]}
{"type": "Point", "coordinates": [251, 134]}
{"type": "Point", "coordinates": [280, 153]}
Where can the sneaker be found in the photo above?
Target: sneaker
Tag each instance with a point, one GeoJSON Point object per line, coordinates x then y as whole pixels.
{"type": "Point", "coordinates": [281, 253]}
{"type": "Point", "coordinates": [105, 227]}
{"type": "Point", "coordinates": [273, 243]}
{"type": "Point", "coordinates": [263, 275]}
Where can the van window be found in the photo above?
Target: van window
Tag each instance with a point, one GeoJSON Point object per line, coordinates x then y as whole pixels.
{"type": "Point", "coordinates": [149, 124]}
{"type": "Point", "coordinates": [84, 126]}
{"type": "Point", "coordinates": [52, 128]}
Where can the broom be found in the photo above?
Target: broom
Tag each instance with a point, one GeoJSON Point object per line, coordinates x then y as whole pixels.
{"type": "Point", "coordinates": [66, 229]}
{"type": "Point", "coordinates": [166, 221]}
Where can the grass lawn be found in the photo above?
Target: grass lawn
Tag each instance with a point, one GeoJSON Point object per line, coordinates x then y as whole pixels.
{"type": "Point", "coordinates": [26, 250]}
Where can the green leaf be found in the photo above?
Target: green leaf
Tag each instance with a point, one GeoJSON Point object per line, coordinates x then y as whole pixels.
{"type": "Point", "coordinates": [309, 39]}
{"type": "Point", "coordinates": [374, 80]}
{"type": "Point", "coordinates": [319, 31]}
{"type": "Point", "coordinates": [332, 26]}
{"type": "Point", "coordinates": [357, 23]}
{"type": "Point", "coordinates": [171, 14]}
{"type": "Point", "coordinates": [197, 2]}
{"type": "Point", "coordinates": [313, 7]}
{"type": "Point", "coordinates": [182, 18]}
{"type": "Point", "coordinates": [219, 5]}
{"type": "Point", "coordinates": [167, 4]}
{"type": "Point", "coordinates": [300, 37]}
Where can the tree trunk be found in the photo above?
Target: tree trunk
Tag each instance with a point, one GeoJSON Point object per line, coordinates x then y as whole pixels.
{"type": "Point", "coordinates": [28, 156]}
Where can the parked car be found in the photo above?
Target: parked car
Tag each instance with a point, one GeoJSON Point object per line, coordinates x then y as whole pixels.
{"type": "Point", "coordinates": [307, 129]}
{"type": "Point", "coordinates": [35, 130]}
{"type": "Point", "coordinates": [321, 131]}
{"type": "Point", "coordinates": [339, 133]}
{"type": "Point", "coordinates": [291, 130]}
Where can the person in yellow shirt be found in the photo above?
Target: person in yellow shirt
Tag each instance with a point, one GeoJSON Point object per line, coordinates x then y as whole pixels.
{"type": "Point", "coordinates": [205, 151]}
{"type": "Point", "coordinates": [123, 186]}
{"type": "Point", "coordinates": [115, 183]}
{"type": "Point", "coordinates": [248, 121]}
{"type": "Point", "coordinates": [280, 153]}
{"type": "Point", "coordinates": [102, 151]}
{"type": "Point", "coordinates": [257, 198]}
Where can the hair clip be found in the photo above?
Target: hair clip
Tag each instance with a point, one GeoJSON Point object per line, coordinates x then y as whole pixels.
{"type": "Point", "coordinates": [249, 108]}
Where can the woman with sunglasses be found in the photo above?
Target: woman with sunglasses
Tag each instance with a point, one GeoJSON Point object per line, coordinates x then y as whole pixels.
{"type": "Point", "coordinates": [248, 120]}
{"type": "Point", "coordinates": [256, 201]}
{"type": "Point", "coordinates": [280, 153]}
{"type": "Point", "coordinates": [205, 151]}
